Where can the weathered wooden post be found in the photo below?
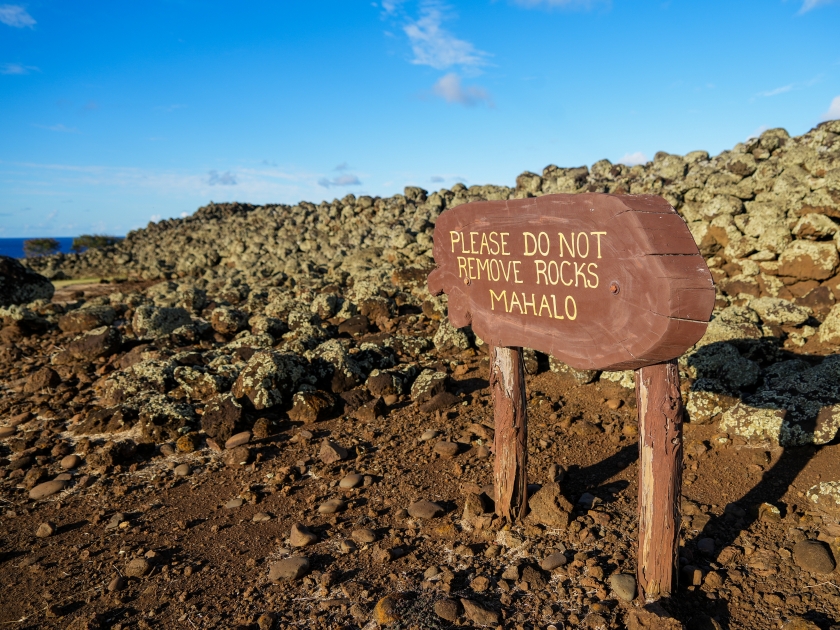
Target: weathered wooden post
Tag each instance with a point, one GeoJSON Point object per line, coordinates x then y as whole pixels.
{"type": "Point", "coordinates": [660, 477]}
{"type": "Point", "coordinates": [601, 282]}
{"type": "Point", "coordinates": [510, 474]}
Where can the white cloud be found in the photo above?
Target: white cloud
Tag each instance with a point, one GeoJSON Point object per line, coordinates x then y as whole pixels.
{"type": "Point", "coordinates": [341, 180]}
{"type": "Point", "coordinates": [16, 16]}
{"type": "Point", "coordinates": [17, 68]}
{"type": "Point", "coordinates": [777, 91]}
{"type": "Point", "coordinates": [436, 179]}
{"type": "Point", "coordinates": [342, 167]}
{"type": "Point", "coordinates": [155, 218]}
{"type": "Point", "coordinates": [449, 88]}
{"type": "Point", "coordinates": [807, 5]}
{"type": "Point", "coordinates": [833, 112]}
{"type": "Point", "coordinates": [221, 179]}
{"type": "Point", "coordinates": [435, 46]}
{"type": "Point", "coordinates": [631, 159]}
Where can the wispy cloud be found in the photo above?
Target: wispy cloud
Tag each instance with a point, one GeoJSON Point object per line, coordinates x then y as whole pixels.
{"type": "Point", "coordinates": [808, 5]}
{"type": "Point", "coordinates": [170, 108]}
{"type": "Point", "coordinates": [563, 4]}
{"type": "Point", "coordinates": [342, 167]}
{"type": "Point", "coordinates": [214, 178]}
{"type": "Point", "coordinates": [777, 91]}
{"type": "Point", "coordinates": [341, 180]}
{"type": "Point", "coordinates": [434, 46]}
{"type": "Point", "coordinates": [436, 179]}
{"type": "Point", "coordinates": [16, 16]}
{"type": "Point", "coordinates": [450, 89]}
{"type": "Point", "coordinates": [631, 159]}
{"type": "Point", "coordinates": [17, 68]}
{"type": "Point", "coordinates": [833, 112]}
{"type": "Point", "coordinates": [59, 128]}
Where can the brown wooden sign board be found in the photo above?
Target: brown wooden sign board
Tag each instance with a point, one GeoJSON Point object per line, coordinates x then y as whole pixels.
{"type": "Point", "coordinates": [606, 282]}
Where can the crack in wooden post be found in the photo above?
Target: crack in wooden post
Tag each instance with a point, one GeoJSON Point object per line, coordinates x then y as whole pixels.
{"type": "Point", "coordinates": [660, 478]}
{"type": "Point", "coordinates": [507, 381]}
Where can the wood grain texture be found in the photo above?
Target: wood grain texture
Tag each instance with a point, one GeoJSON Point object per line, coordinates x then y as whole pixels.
{"type": "Point", "coordinates": [665, 292]}
{"type": "Point", "coordinates": [660, 478]}
{"type": "Point", "coordinates": [507, 382]}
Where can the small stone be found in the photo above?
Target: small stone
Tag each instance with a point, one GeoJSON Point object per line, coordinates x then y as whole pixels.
{"type": "Point", "coordinates": [117, 583]}
{"type": "Point", "coordinates": [261, 517]}
{"type": "Point", "coordinates": [115, 520]}
{"type": "Point", "coordinates": [348, 546]}
{"type": "Point", "coordinates": [7, 432]}
{"type": "Point", "coordinates": [482, 452]}
{"type": "Point", "coordinates": [70, 462]}
{"type": "Point", "coordinates": [446, 449]}
{"type": "Point", "coordinates": [430, 573]}
{"type": "Point", "coordinates": [182, 470]}
{"type": "Point", "coordinates": [138, 567]}
{"type": "Point", "coordinates": [238, 439]}
{"type": "Point", "coordinates": [292, 568]}
{"type": "Point", "coordinates": [234, 503]}
{"type": "Point", "coordinates": [511, 573]}
{"type": "Point", "coordinates": [480, 584]}
{"type": "Point", "coordinates": [390, 399]}
{"type": "Point", "coordinates": [45, 530]}
{"type": "Point", "coordinates": [350, 481]}
{"type": "Point", "coordinates": [332, 506]}
{"type": "Point", "coordinates": [478, 614]}
{"type": "Point", "coordinates": [364, 535]}
{"type": "Point", "coordinates": [331, 452]}
{"type": "Point", "coordinates": [447, 609]}
{"type": "Point", "coordinates": [385, 612]}
{"type": "Point", "coordinates": [47, 489]}
{"type": "Point", "coordinates": [266, 621]}
{"type": "Point", "coordinates": [614, 403]}
{"type": "Point", "coordinates": [425, 509]}
{"type": "Point", "coordinates": [813, 556]}
{"type": "Point", "coordinates": [551, 562]}
{"type": "Point", "coordinates": [624, 586]}
{"type": "Point", "coordinates": [238, 456]}
{"type": "Point", "coordinates": [301, 536]}
{"type": "Point", "coordinates": [428, 434]}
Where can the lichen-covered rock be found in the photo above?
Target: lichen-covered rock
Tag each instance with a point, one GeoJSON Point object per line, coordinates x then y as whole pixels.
{"type": "Point", "coordinates": [773, 310]}
{"type": "Point", "coordinates": [428, 385]}
{"type": "Point", "coordinates": [549, 507]}
{"type": "Point", "coordinates": [449, 339]}
{"type": "Point", "coordinates": [152, 322]}
{"type": "Point", "coordinates": [228, 321]}
{"type": "Point", "coordinates": [197, 382]}
{"type": "Point", "coordinates": [100, 342]}
{"type": "Point", "coordinates": [87, 318]}
{"type": "Point", "coordinates": [720, 367]}
{"type": "Point", "coordinates": [162, 419]}
{"type": "Point", "coordinates": [825, 497]}
{"type": "Point", "coordinates": [342, 371]}
{"type": "Point", "coordinates": [829, 331]}
{"type": "Point", "coordinates": [703, 406]}
{"type": "Point", "coordinates": [20, 285]}
{"type": "Point", "coordinates": [270, 378]}
{"type": "Point", "coordinates": [311, 406]}
{"type": "Point", "coordinates": [223, 417]}
{"type": "Point", "coordinates": [580, 376]}
{"type": "Point", "coordinates": [809, 260]}
{"type": "Point", "coordinates": [732, 322]}
{"type": "Point", "coordinates": [624, 378]}
{"type": "Point", "coordinates": [815, 227]}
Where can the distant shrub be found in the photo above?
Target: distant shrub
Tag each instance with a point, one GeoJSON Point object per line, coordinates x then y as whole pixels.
{"type": "Point", "coordinates": [92, 241]}
{"type": "Point", "coordinates": [40, 247]}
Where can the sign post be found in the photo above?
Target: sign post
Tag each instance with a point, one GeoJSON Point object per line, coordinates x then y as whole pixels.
{"type": "Point", "coordinates": [601, 282]}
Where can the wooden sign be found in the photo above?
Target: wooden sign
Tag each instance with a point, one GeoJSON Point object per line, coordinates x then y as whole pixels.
{"type": "Point", "coordinates": [604, 282]}
{"type": "Point", "coordinates": [601, 282]}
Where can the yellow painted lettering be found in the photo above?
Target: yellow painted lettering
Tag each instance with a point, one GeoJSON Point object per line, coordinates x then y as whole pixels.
{"type": "Point", "coordinates": [494, 238]}
{"type": "Point", "coordinates": [579, 269]}
{"type": "Point", "coordinates": [463, 242]}
{"type": "Point", "coordinates": [532, 303]}
{"type": "Point", "coordinates": [554, 303]}
{"type": "Point", "coordinates": [501, 297]}
{"type": "Point", "coordinates": [495, 265]}
{"type": "Point", "coordinates": [562, 279]}
{"type": "Point", "coordinates": [472, 242]}
{"type": "Point", "coordinates": [593, 274]}
{"type": "Point", "coordinates": [540, 265]}
{"type": "Point", "coordinates": [579, 248]}
{"type": "Point", "coordinates": [598, 235]}
{"type": "Point", "coordinates": [484, 244]}
{"type": "Point", "coordinates": [462, 267]}
{"type": "Point", "coordinates": [516, 264]}
{"type": "Point", "coordinates": [573, 314]}
{"type": "Point", "coordinates": [483, 264]}
{"type": "Point", "coordinates": [470, 262]}
{"type": "Point", "coordinates": [454, 237]}
{"type": "Point", "coordinates": [514, 299]}
{"type": "Point", "coordinates": [544, 244]}
{"type": "Point", "coordinates": [544, 305]}
{"type": "Point", "coordinates": [569, 246]}
{"type": "Point", "coordinates": [530, 243]}
{"type": "Point", "coordinates": [504, 243]}
{"type": "Point", "coordinates": [553, 272]}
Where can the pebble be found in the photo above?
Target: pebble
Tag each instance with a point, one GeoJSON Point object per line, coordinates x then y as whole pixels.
{"type": "Point", "coordinates": [706, 546]}
{"type": "Point", "coordinates": [551, 562]}
{"type": "Point", "coordinates": [261, 517]}
{"type": "Point", "coordinates": [482, 452]}
{"type": "Point", "coordinates": [385, 611]}
{"type": "Point", "coordinates": [447, 609]}
{"type": "Point", "coordinates": [292, 568]}
{"type": "Point", "coordinates": [614, 403]}
{"type": "Point", "coordinates": [428, 434]}
{"type": "Point", "coordinates": [167, 450]}
{"type": "Point", "coordinates": [7, 432]}
{"type": "Point", "coordinates": [47, 489]}
{"type": "Point", "coordinates": [70, 462]}
{"type": "Point", "coordinates": [624, 586]}
{"type": "Point", "coordinates": [445, 448]}
{"type": "Point", "coordinates": [182, 470]}
{"type": "Point", "coordinates": [138, 567]}
{"type": "Point", "coordinates": [116, 584]}
{"type": "Point", "coordinates": [115, 520]}
{"type": "Point", "coordinates": [430, 573]}
{"type": "Point", "coordinates": [364, 535]}
{"type": "Point", "coordinates": [351, 481]}
{"type": "Point", "coordinates": [390, 399]}
{"type": "Point", "coordinates": [238, 440]}
{"type": "Point", "coordinates": [478, 614]}
{"type": "Point", "coordinates": [348, 546]}
{"type": "Point", "coordinates": [301, 536]}
{"type": "Point", "coordinates": [332, 506]}
{"type": "Point", "coordinates": [331, 452]}
{"type": "Point", "coordinates": [813, 556]}
{"type": "Point", "coordinates": [424, 509]}
{"type": "Point", "coordinates": [63, 477]}
{"type": "Point", "coordinates": [45, 530]}
{"type": "Point", "coordinates": [234, 503]}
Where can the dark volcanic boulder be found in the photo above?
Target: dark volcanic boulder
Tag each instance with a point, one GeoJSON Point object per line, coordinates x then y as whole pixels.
{"type": "Point", "coordinates": [19, 285]}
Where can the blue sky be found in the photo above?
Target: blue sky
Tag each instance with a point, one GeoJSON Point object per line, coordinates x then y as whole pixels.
{"type": "Point", "coordinates": [113, 114]}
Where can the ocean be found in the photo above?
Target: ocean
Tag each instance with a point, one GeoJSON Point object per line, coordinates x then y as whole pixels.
{"type": "Point", "coordinates": [14, 246]}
